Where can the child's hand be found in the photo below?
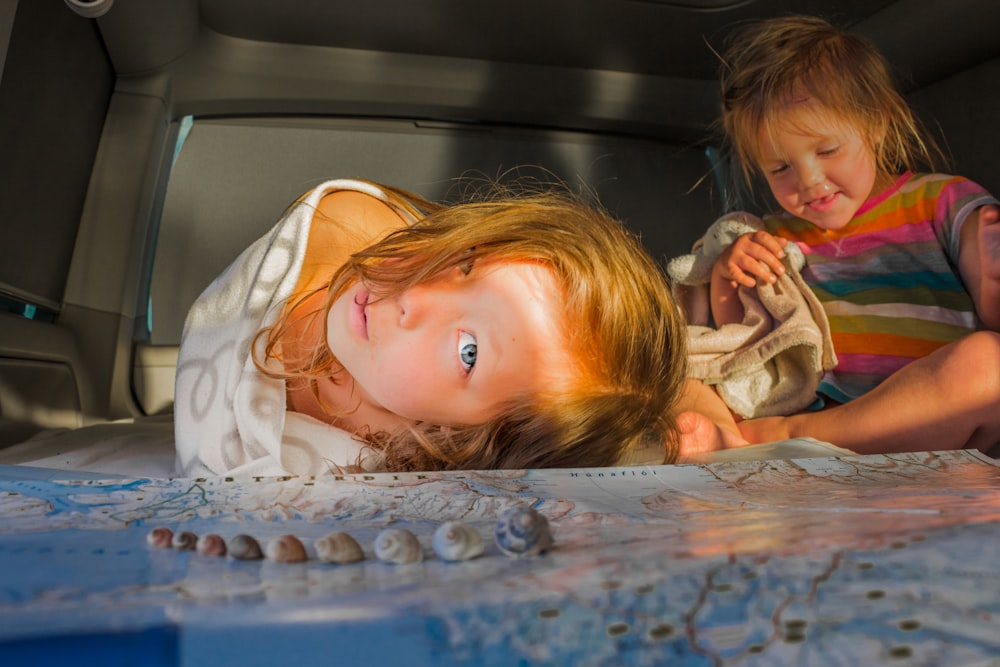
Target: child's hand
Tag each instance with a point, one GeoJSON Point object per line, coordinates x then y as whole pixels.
{"type": "Point", "coordinates": [989, 241]}
{"type": "Point", "coordinates": [753, 256]}
{"type": "Point", "coordinates": [980, 264]}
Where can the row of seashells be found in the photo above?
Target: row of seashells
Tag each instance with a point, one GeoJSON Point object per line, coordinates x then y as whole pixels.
{"type": "Point", "coordinates": [519, 531]}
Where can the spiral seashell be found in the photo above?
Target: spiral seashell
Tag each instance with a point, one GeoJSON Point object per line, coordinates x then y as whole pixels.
{"type": "Point", "coordinates": [245, 547]}
{"type": "Point", "coordinates": [338, 547]}
{"type": "Point", "coordinates": [398, 545]}
{"type": "Point", "coordinates": [286, 549]}
{"type": "Point", "coordinates": [211, 545]}
{"type": "Point", "coordinates": [184, 540]}
{"type": "Point", "coordinates": [522, 531]}
{"type": "Point", "coordinates": [161, 536]}
{"type": "Point", "coordinates": [457, 541]}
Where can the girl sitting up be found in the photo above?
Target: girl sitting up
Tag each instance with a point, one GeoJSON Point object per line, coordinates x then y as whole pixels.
{"type": "Point", "coordinates": [905, 263]}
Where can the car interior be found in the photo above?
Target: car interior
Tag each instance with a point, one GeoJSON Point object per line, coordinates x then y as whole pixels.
{"type": "Point", "coordinates": [145, 143]}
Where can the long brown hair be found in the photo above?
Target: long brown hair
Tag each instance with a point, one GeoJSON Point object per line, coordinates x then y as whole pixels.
{"type": "Point", "coordinates": [623, 328]}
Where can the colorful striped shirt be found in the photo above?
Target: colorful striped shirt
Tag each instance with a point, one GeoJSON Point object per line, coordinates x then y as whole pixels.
{"type": "Point", "coordinates": [889, 280]}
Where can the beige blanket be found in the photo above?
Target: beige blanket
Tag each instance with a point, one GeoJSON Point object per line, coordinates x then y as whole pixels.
{"type": "Point", "coordinates": [772, 361]}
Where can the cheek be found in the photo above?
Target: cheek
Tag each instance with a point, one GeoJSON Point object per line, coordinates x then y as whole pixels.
{"type": "Point", "coordinates": [870, 172]}
{"type": "Point", "coordinates": [399, 380]}
{"type": "Point", "coordinates": [782, 189]}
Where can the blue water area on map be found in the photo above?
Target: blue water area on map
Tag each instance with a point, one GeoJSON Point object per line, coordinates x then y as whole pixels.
{"type": "Point", "coordinates": [146, 648]}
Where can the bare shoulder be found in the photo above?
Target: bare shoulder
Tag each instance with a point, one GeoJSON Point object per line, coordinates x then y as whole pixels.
{"type": "Point", "coordinates": [359, 214]}
{"type": "Point", "coordinates": [344, 223]}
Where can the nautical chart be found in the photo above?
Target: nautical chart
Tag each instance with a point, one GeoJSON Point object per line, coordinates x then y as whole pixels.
{"type": "Point", "coordinates": [886, 559]}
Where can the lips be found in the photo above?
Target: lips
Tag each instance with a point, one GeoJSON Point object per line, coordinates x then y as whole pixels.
{"type": "Point", "coordinates": [824, 203]}
{"type": "Point", "coordinates": [359, 315]}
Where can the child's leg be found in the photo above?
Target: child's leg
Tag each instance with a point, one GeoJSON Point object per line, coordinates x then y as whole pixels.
{"type": "Point", "coordinates": [705, 423]}
{"type": "Point", "coordinates": [947, 400]}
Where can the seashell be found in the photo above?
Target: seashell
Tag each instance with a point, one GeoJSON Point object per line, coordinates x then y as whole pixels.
{"type": "Point", "coordinates": [211, 545]}
{"type": "Point", "coordinates": [457, 541]}
{"type": "Point", "coordinates": [338, 547]}
{"type": "Point", "coordinates": [398, 545]}
{"type": "Point", "coordinates": [286, 549]}
{"type": "Point", "coordinates": [522, 531]}
{"type": "Point", "coordinates": [161, 536]}
{"type": "Point", "coordinates": [245, 547]}
{"type": "Point", "coordinates": [185, 540]}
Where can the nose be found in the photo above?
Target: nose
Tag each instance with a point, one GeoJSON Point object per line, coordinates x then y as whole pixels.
{"type": "Point", "coordinates": [811, 174]}
{"type": "Point", "coordinates": [414, 306]}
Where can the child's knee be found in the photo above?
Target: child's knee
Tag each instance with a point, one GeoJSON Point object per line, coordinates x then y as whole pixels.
{"type": "Point", "coordinates": [981, 348]}
{"type": "Point", "coordinates": [978, 359]}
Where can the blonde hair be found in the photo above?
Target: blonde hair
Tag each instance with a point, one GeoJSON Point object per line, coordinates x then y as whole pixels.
{"type": "Point", "coordinates": [772, 63]}
{"type": "Point", "coordinates": [624, 330]}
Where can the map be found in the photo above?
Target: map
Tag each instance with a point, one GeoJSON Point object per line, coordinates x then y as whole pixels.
{"type": "Point", "coordinates": [866, 560]}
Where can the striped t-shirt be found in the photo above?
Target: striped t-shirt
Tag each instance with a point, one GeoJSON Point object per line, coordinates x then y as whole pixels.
{"type": "Point", "coordinates": [889, 280]}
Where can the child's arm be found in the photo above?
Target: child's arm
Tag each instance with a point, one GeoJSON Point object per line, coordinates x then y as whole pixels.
{"type": "Point", "coordinates": [756, 254]}
{"type": "Point", "coordinates": [979, 262]}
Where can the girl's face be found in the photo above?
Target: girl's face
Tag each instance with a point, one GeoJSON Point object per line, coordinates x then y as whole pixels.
{"type": "Point", "coordinates": [450, 351]}
{"type": "Point", "coordinates": [817, 169]}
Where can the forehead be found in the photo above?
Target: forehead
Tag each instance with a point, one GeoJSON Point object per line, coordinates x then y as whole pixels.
{"type": "Point", "coordinates": [803, 118]}
{"type": "Point", "coordinates": [527, 344]}
{"type": "Point", "coordinates": [532, 299]}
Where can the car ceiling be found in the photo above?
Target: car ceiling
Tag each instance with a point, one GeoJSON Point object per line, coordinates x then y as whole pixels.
{"type": "Point", "coordinates": [643, 67]}
{"type": "Point", "coordinates": [657, 37]}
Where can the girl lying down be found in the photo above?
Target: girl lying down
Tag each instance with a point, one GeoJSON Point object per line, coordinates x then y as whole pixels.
{"type": "Point", "coordinates": [371, 329]}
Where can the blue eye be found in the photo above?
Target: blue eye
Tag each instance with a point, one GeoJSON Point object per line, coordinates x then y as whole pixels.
{"type": "Point", "coordinates": [466, 350]}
